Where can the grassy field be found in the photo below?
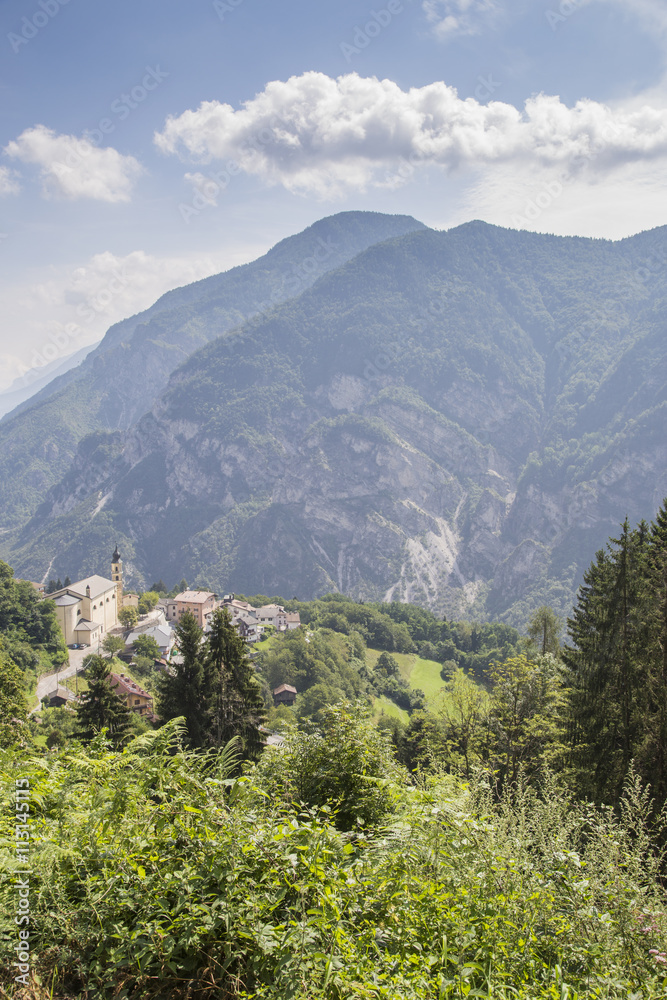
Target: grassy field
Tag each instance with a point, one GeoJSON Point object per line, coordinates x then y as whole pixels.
{"type": "Point", "coordinates": [385, 706]}
{"type": "Point", "coordinates": [419, 673]}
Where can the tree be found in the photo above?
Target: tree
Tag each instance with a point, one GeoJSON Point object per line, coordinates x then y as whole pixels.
{"type": "Point", "coordinates": [113, 644]}
{"type": "Point", "coordinates": [238, 707]}
{"type": "Point", "coordinates": [148, 601]}
{"type": "Point", "coordinates": [128, 616]}
{"type": "Point", "coordinates": [13, 704]}
{"type": "Point", "coordinates": [68, 582]}
{"type": "Point", "coordinates": [608, 662]}
{"type": "Point", "coordinates": [544, 629]}
{"type": "Point", "coordinates": [100, 707]}
{"type": "Point", "coordinates": [345, 760]}
{"type": "Point", "coordinates": [525, 717]}
{"type": "Point", "coordinates": [159, 588]}
{"type": "Point", "coordinates": [464, 717]}
{"type": "Point", "coordinates": [185, 689]}
{"type": "Point", "coordinates": [387, 665]}
{"type": "Point", "coordinates": [146, 645]}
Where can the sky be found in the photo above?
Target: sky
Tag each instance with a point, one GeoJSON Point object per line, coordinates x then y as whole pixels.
{"type": "Point", "coordinates": [150, 143]}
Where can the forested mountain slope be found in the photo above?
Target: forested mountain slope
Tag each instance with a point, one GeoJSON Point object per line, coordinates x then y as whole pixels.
{"type": "Point", "coordinates": [121, 379]}
{"type": "Point", "coordinates": [453, 418]}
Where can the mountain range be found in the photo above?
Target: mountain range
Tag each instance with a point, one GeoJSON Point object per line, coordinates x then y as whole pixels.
{"type": "Point", "coordinates": [459, 419]}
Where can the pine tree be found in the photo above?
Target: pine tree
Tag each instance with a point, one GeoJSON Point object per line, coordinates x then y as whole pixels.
{"type": "Point", "coordinates": [606, 666]}
{"type": "Point", "coordinates": [100, 707]}
{"type": "Point", "coordinates": [238, 707]}
{"type": "Point", "coordinates": [186, 689]}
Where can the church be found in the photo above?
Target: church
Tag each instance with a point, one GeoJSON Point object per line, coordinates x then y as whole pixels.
{"type": "Point", "coordinates": [87, 609]}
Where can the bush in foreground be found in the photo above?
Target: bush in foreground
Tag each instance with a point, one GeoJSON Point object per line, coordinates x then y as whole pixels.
{"type": "Point", "coordinates": [158, 875]}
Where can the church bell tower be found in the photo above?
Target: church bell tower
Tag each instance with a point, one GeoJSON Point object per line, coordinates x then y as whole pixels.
{"type": "Point", "coordinates": [117, 578]}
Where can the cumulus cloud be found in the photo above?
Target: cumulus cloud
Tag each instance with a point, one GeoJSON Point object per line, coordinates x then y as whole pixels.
{"type": "Point", "coordinates": [69, 309]}
{"type": "Point", "coordinates": [459, 17]}
{"type": "Point", "coordinates": [314, 134]}
{"type": "Point", "coordinates": [8, 181]}
{"type": "Point", "coordinates": [75, 168]}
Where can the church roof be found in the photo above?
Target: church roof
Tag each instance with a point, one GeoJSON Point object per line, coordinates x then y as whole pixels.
{"type": "Point", "coordinates": [98, 585]}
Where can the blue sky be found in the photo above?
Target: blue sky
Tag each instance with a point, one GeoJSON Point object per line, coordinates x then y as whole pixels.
{"type": "Point", "coordinates": [147, 144]}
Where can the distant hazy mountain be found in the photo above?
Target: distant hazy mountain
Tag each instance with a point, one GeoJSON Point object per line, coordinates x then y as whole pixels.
{"type": "Point", "coordinates": [36, 379]}
{"type": "Point", "coordinates": [121, 379]}
{"type": "Point", "coordinates": [459, 419]}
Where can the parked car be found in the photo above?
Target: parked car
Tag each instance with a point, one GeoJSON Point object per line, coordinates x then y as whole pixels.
{"type": "Point", "coordinates": [84, 645]}
{"type": "Point", "coordinates": [73, 645]}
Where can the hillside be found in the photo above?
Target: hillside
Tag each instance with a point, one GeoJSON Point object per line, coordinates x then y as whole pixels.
{"type": "Point", "coordinates": [456, 419]}
{"type": "Point", "coordinates": [128, 371]}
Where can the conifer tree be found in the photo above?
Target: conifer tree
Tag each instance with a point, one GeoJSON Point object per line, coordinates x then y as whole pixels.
{"type": "Point", "coordinates": [100, 707]}
{"type": "Point", "coordinates": [185, 690]}
{"type": "Point", "coordinates": [238, 707]}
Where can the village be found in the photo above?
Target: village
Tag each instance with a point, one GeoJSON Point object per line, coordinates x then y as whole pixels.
{"type": "Point", "coordinates": [91, 610]}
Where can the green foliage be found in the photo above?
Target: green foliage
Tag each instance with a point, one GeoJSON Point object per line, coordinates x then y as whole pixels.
{"type": "Point", "coordinates": [128, 616]}
{"type": "Point", "coordinates": [185, 691]}
{"type": "Point", "coordinates": [13, 704]}
{"type": "Point", "coordinates": [526, 726]}
{"type": "Point", "coordinates": [28, 622]}
{"type": "Point", "coordinates": [544, 629]}
{"type": "Point", "coordinates": [148, 601]}
{"type": "Point", "coordinates": [100, 708]}
{"type": "Point", "coordinates": [146, 646]}
{"type": "Point", "coordinates": [617, 666]}
{"type": "Point", "coordinates": [343, 762]}
{"type": "Point", "coordinates": [113, 644]}
{"type": "Point", "coordinates": [237, 708]}
{"type": "Point", "coordinates": [157, 875]}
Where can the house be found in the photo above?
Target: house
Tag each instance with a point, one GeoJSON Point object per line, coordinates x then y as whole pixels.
{"type": "Point", "coordinates": [162, 634]}
{"type": "Point", "coordinates": [292, 620]}
{"type": "Point", "coordinates": [130, 601]}
{"type": "Point", "coordinates": [200, 603]}
{"type": "Point", "coordinates": [59, 696]}
{"type": "Point", "coordinates": [284, 695]}
{"type": "Point", "coordinates": [136, 699]}
{"type": "Point", "coordinates": [250, 631]}
{"type": "Point", "coordinates": [87, 609]}
{"type": "Point", "coordinates": [272, 614]}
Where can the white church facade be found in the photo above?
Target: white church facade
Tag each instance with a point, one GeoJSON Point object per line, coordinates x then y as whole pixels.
{"type": "Point", "coordinates": [87, 609]}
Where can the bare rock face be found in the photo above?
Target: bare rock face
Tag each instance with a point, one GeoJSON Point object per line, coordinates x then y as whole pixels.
{"type": "Point", "coordinates": [435, 421]}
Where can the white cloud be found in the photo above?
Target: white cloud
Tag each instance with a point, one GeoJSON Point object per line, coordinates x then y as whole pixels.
{"type": "Point", "coordinates": [75, 168]}
{"type": "Point", "coordinates": [65, 310]}
{"type": "Point", "coordinates": [460, 17]}
{"type": "Point", "coordinates": [314, 134]}
{"type": "Point", "coordinates": [8, 181]}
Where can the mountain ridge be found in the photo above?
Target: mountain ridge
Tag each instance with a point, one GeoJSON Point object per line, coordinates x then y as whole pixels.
{"type": "Point", "coordinates": [437, 420]}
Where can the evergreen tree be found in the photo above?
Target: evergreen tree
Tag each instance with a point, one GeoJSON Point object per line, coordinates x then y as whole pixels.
{"type": "Point", "coordinates": [185, 690]}
{"type": "Point", "coordinates": [100, 707]}
{"type": "Point", "coordinates": [68, 582]}
{"type": "Point", "coordinates": [238, 707]}
{"type": "Point", "coordinates": [608, 665]}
